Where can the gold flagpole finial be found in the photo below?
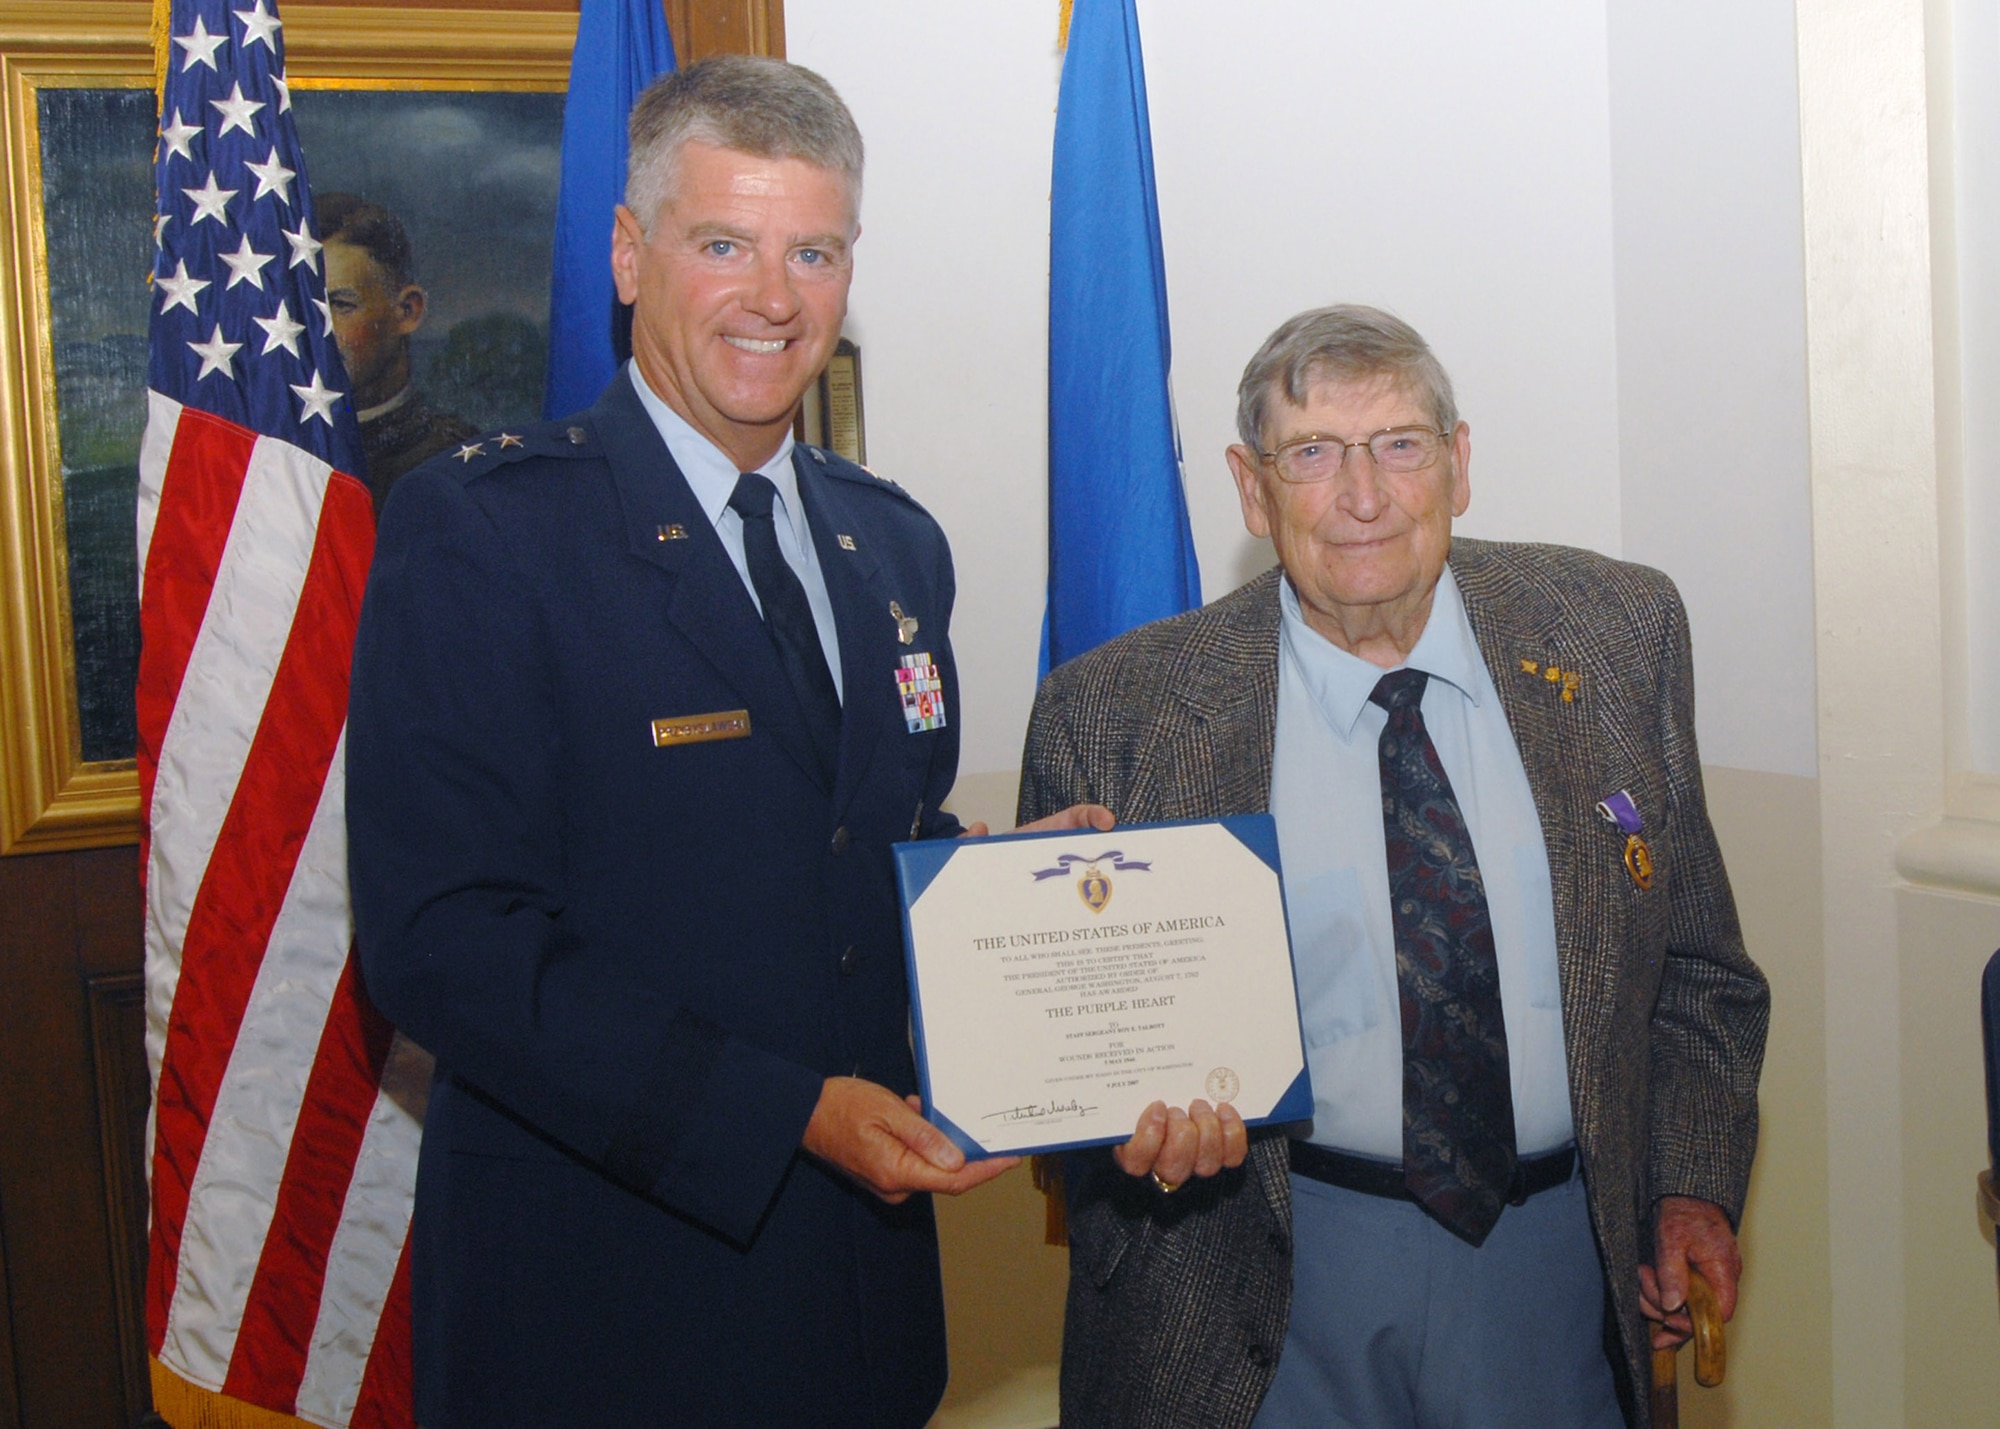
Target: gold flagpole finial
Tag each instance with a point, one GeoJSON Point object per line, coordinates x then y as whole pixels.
{"type": "Point", "coordinates": [1062, 26]}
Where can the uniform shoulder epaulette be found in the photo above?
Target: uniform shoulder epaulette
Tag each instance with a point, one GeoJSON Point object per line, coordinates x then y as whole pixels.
{"type": "Point", "coordinates": [834, 464]}
{"type": "Point", "coordinates": [505, 446]}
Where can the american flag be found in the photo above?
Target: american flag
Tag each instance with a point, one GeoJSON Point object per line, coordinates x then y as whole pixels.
{"type": "Point", "coordinates": [286, 1112]}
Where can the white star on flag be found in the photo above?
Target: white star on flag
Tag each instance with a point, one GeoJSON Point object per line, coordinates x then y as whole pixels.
{"type": "Point", "coordinates": [281, 331]}
{"type": "Point", "coordinates": [210, 202]}
{"type": "Point", "coordinates": [180, 288]}
{"type": "Point", "coordinates": [236, 111]}
{"type": "Point", "coordinates": [284, 88]}
{"type": "Point", "coordinates": [246, 265]}
{"type": "Point", "coordinates": [326, 316]}
{"type": "Point", "coordinates": [160, 222]}
{"type": "Point", "coordinates": [305, 247]}
{"type": "Point", "coordinates": [259, 27]}
{"type": "Point", "coordinates": [215, 355]}
{"type": "Point", "coordinates": [200, 46]}
{"type": "Point", "coordinates": [179, 136]}
{"type": "Point", "coordinates": [318, 399]}
{"type": "Point", "coordinates": [273, 178]}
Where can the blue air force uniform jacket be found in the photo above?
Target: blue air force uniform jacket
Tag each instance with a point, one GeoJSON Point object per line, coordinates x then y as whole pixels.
{"type": "Point", "coordinates": [635, 961]}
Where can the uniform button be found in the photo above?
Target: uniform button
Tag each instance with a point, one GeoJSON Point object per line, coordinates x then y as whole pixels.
{"type": "Point", "coordinates": [841, 839]}
{"type": "Point", "coordinates": [849, 960]}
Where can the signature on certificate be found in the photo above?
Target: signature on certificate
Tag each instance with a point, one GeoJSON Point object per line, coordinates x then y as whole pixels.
{"type": "Point", "coordinates": [1034, 1111]}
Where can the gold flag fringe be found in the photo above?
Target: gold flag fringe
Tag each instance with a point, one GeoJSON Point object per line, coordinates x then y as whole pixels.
{"type": "Point", "coordinates": [185, 1406]}
{"type": "Point", "coordinates": [1048, 1174]}
{"type": "Point", "coordinates": [1062, 44]}
{"type": "Point", "coordinates": [162, 34]}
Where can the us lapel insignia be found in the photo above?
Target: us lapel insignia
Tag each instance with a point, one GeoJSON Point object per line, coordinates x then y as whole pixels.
{"type": "Point", "coordinates": [906, 625]}
{"type": "Point", "coordinates": [921, 690]}
{"type": "Point", "coordinates": [846, 542]}
{"type": "Point", "coordinates": [1566, 682]}
{"type": "Point", "coordinates": [1619, 809]}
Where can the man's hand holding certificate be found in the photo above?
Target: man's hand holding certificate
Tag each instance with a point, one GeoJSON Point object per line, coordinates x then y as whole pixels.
{"type": "Point", "coordinates": [1063, 983]}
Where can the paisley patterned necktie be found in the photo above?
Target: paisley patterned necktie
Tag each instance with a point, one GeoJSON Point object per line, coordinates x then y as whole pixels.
{"type": "Point", "coordinates": [1458, 1105]}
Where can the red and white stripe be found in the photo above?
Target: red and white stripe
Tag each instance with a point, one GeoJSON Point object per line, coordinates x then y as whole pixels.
{"type": "Point", "coordinates": [286, 1113]}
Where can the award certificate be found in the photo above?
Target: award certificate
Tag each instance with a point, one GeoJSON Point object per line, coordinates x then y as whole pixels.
{"type": "Point", "coordinates": [1061, 983]}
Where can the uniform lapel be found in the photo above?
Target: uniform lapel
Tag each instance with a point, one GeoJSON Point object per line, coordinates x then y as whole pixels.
{"type": "Point", "coordinates": [667, 529]}
{"type": "Point", "coordinates": [868, 647]}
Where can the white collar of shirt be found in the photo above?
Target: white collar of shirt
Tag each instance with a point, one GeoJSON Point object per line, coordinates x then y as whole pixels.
{"type": "Point", "coordinates": [709, 471]}
{"type": "Point", "coordinates": [1340, 683]}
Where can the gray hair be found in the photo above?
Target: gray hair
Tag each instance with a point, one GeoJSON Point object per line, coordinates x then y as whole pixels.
{"type": "Point", "coordinates": [1346, 343]}
{"type": "Point", "coordinates": [748, 103]}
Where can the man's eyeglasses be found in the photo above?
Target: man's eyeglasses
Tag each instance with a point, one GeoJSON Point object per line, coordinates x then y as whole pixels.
{"type": "Point", "coordinates": [1319, 458]}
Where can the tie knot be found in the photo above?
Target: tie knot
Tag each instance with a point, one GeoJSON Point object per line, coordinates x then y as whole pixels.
{"type": "Point", "coordinates": [753, 496]}
{"type": "Point", "coordinates": [1400, 689]}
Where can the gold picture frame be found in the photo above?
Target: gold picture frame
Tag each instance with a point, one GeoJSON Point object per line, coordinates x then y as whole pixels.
{"type": "Point", "coordinates": [51, 796]}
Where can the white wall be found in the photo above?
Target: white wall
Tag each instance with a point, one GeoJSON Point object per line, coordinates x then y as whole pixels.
{"type": "Point", "coordinates": [1976, 49]}
{"type": "Point", "coordinates": [1625, 375]}
{"type": "Point", "coordinates": [1711, 355]}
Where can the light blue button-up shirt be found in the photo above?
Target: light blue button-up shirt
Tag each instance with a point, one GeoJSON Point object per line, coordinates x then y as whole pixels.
{"type": "Point", "coordinates": [712, 475]}
{"type": "Point", "coordinates": [1326, 794]}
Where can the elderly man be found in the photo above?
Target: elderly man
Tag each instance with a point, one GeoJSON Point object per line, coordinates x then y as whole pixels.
{"type": "Point", "coordinates": [626, 756]}
{"type": "Point", "coordinates": [1533, 1034]}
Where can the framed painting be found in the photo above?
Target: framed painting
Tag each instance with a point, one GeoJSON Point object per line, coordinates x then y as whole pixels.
{"type": "Point", "coordinates": [434, 133]}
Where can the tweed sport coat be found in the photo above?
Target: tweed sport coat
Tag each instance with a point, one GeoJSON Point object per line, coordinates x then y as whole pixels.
{"type": "Point", "coordinates": [1178, 1305]}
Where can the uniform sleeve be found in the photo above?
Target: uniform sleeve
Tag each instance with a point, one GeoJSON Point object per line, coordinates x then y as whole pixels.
{"type": "Point", "coordinates": [1714, 1005]}
{"type": "Point", "coordinates": [456, 856]}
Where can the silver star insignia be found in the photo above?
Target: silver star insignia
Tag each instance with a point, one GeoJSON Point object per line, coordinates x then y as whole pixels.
{"type": "Point", "coordinates": [236, 111]}
{"type": "Point", "coordinates": [273, 178]}
{"type": "Point", "coordinates": [200, 46]}
{"type": "Point", "coordinates": [508, 439]}
{"type": "Point", "coordinates": [246, 265]}
{"type": "Point", "coordinates": [215, 355]}
{"type": "Point", "coordinates": [318, 399]}
{"type": "Point", "coordinates": [211, 201]}
{"type": "Point", "coordinates": [470, 450]}
{"type": "Point", "coordinates": [180, 136]}
{"type": "Point", "coordinates": [280, 330]}
{"type": "Point", "coordinates": [180, 288]}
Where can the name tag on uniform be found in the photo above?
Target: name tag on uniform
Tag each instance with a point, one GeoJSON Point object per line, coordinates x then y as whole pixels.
{"type": "Point", "coordinates": [698, 729]}
{"type": "Point", "coordinates": [922, 692]}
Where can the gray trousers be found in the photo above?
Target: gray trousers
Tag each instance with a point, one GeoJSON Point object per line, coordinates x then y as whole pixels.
{"type": "Point", "coordinates": [1397, 1322]}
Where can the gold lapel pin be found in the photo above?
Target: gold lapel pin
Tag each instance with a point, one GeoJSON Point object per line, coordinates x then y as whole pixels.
{"type": "Point", "coordinates": [1566, 682]}
{"type": "Point", "coordinates": [673, 532]}
{"type": "Point", "coordinates": [906, 625]}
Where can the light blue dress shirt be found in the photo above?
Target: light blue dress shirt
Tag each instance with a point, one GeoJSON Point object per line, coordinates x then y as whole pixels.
{"type": "Point", "coordinates": [712, 475]}
{"type": "Point", "coordinates": [1326, 794]}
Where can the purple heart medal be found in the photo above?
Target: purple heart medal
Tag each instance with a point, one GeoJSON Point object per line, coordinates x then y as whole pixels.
{"type": "Point", "coordinates": [1620, 810]}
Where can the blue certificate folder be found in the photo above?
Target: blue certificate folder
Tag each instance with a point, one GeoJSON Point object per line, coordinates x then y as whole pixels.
{"type": "Point", "coordinates": [918, 866]}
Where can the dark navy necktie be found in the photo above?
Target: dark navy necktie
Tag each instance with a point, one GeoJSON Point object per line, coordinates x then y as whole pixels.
{"type": "Point", "coordinates": [788, 616]}
{"type": "Point", "coordinates": [1458, 1104]}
